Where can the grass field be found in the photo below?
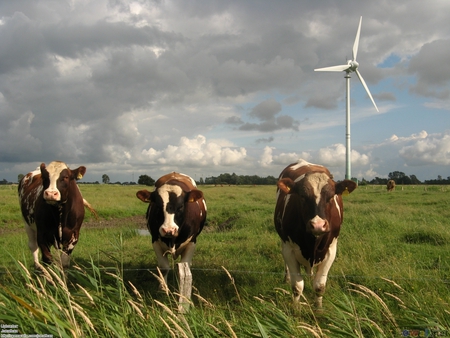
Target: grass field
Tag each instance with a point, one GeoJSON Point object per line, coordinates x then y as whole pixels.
{"type": "Point", "coordinates": [391, 275]}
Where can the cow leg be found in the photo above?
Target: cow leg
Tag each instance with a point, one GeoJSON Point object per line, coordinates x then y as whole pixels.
{"type": "Point", "coordinates": [33, 244]}
{"type": "Point", "coordinates": [47, 257]}
{"type": "Point", "coordinates": [68, 247]}
{"type": "Point", "coordinates": [163, 261]}
{"type": "Point", "coordinates": [293, 270]}
{"type": "Point", "coordinates": [320, 279]}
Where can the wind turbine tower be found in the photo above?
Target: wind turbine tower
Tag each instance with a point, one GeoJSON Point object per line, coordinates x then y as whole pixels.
{"type": "Point", "coordinates": [351, 66]}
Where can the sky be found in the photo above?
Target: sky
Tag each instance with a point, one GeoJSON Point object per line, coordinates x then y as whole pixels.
{"type": "Point", "coordinates": [204, 87]}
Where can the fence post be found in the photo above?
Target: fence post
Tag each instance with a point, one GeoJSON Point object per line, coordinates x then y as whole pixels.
{"type": "Point", "coordinates": [185, 286]}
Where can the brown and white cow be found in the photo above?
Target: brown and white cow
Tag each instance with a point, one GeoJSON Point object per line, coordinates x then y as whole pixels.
{"type": "Point", "coordinates": [53, 210]}
{"type": "Point", "coordinates": [308, 217]}
{"type": "Point", "coordinates": [390, 185]}
{"type": "Point", "coordinates": [175, 217]}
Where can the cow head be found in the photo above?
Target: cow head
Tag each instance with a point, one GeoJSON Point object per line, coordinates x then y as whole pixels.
{"type": "Point", "coordinates": [173, 204]}
{"type": "Point", "coordinates": [317, 194]}
{"type": "Point", "coordinates": [56, 179]}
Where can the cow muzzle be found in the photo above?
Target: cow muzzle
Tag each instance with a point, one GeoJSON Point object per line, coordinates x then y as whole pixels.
{"type": "Point", "coordinates": [318, 226]}
{"type": "Point", "coordinates": [52, 196]}
{"type": "Point", "coordinates": [168, 231]}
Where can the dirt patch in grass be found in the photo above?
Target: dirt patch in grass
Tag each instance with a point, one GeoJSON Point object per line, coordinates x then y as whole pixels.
{"type": "Point", "coordinates": [138, 221]}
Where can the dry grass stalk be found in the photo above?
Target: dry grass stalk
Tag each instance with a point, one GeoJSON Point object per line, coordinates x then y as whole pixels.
{"type": "Point", "coordinates": [204, 301]}
{"type": "Point", "coordinates": [234, 284]}
{"type": "Point", "coordinates": [373, 324]}
{"type": "Point", "coordinates": [168, 327]}
{"type": "Point", "coordinates": [86, 293]}
{"type": "Point", "coordinates": [311, 329]}
{"type": "Point", "coordinates": [135, 291]}
{"type": "Point", "coordinates": [179, 328]}
{"type": "Point", "coordinates": [389, 315]}
{"type": "Point", "coordinates": [136, 308]}
{"type": "Point", "coordinates": [83, 315]}
{"type": "Point", "coordinates": [233, 334]}
{"type": "Point", "coordinates": [169, 311]}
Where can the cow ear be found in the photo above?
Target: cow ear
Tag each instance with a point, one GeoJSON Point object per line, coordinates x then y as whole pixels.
{"type": "Point", "coordinates": [78, 173]}
{"type": "Point", "coordinates": [43, 169]}
{"type": "Point", "coordinates": [285, 185]}
{"type": "Point", "coordinates": [143, 195]}
{"type": "Point", "coordinates": [345, 187]}
{"type": "Point", "coordinates": [194, 196]}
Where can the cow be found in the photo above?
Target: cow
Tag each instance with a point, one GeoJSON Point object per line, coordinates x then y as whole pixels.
{"type": "Point", "coordinates": [175, 217]}
{"type": "Point", "coordinates": [390, 185]}
{"type": "Point", "coordinates": [53, 210]}
{"type": "Point", "coordinates": [308, 217]}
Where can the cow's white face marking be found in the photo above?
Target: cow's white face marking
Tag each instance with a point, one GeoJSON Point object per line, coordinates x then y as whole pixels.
{"type": "Point", "coordinates": [52, 194]}
{"type": "Point", "coordinates": [169, 226]}
{"type": "Point", "coordinates": [318, 181]}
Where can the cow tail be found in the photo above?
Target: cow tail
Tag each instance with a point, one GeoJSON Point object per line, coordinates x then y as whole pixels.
{"type": "Point", "coordinates": [91, 209]}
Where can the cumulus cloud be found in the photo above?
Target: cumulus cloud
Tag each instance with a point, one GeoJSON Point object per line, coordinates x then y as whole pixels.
{"type": "Point", "coordinates": [281, 160]}
{"type": "Point", "coordinates": [196, 152]}
{"type": "Point", "coordinates": [429, 149]}
{"type": "Point", "coordinates": [335, 156]}
{"type": "Point", "coordinates": [266, 157]}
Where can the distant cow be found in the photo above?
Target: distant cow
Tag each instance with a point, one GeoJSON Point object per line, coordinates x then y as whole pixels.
{"type": "Point", "coordinates": [390, 185]}
{"type": "Point", "coordinates": [308, 216]}
{"type": "Point", "coordinates": [175, 217]}
{"type": "Point", "coordinates": [53, 210]}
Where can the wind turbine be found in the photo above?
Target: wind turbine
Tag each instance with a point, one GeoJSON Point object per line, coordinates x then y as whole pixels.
{"type": "Point", "coordinates": [351, 66]}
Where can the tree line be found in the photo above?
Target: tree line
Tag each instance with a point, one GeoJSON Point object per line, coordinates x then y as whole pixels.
{"type": "Point", "coordinates": [233, 179]}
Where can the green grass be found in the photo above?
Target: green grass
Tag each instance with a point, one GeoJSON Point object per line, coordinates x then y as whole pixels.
{"type": "Point", "coordinates": [392, 270]}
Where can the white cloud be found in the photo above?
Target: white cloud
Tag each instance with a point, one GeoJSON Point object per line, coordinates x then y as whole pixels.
{"type": "Point", "coordinates": [334, 156]}
{"type": "Point", "coordinates": [431, 149]}
{"type": "Point", "coordinates": [266, 157]}
{"type": "Point", "coordinates": [196, 152]}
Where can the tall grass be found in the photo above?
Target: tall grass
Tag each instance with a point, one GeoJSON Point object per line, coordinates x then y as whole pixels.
{"type": "Point", "coordinates": [392, 272]}
{"type": "Point", "coordinates": [89, 302]}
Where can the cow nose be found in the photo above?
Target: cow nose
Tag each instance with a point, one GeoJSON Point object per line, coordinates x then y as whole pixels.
{"type": "Point", "coordinates": [168, 232]}
{"type": "Point", "coordinates": [51, 195]}
{"type": "Point", "coordinates": [318, 225]}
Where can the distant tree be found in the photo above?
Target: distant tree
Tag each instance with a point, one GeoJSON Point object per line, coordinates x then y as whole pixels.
{"type": "Point", "coordinates": [379, 180]}
{"type": "Point", "coordinates": [146, 180]}
{"type": "Point", "coordinates": [363, 182]}
{"type": "Point", "coordinates": [19, 177]}
{"type": "Point", "coordinates": [201, 181]}
{"type": "Point", "coordinates": [414, 179]}
{"type": "Point", "coordinates": [105, 179]}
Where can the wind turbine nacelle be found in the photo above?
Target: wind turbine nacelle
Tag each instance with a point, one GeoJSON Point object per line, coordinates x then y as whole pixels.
{"type": "Point", "coordinates": [353, 65]}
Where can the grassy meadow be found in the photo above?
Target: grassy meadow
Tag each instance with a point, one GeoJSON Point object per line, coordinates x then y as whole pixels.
{"type": "Point", "coordinates": [391, 276]}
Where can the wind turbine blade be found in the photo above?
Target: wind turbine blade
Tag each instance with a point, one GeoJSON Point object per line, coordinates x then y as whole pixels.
{"type": "Point", "coordinates": [367, 88]}
{"type": "Point", "coordinates": [333, 68]}
{"type": "Point", "coordinates": [356, 44]}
